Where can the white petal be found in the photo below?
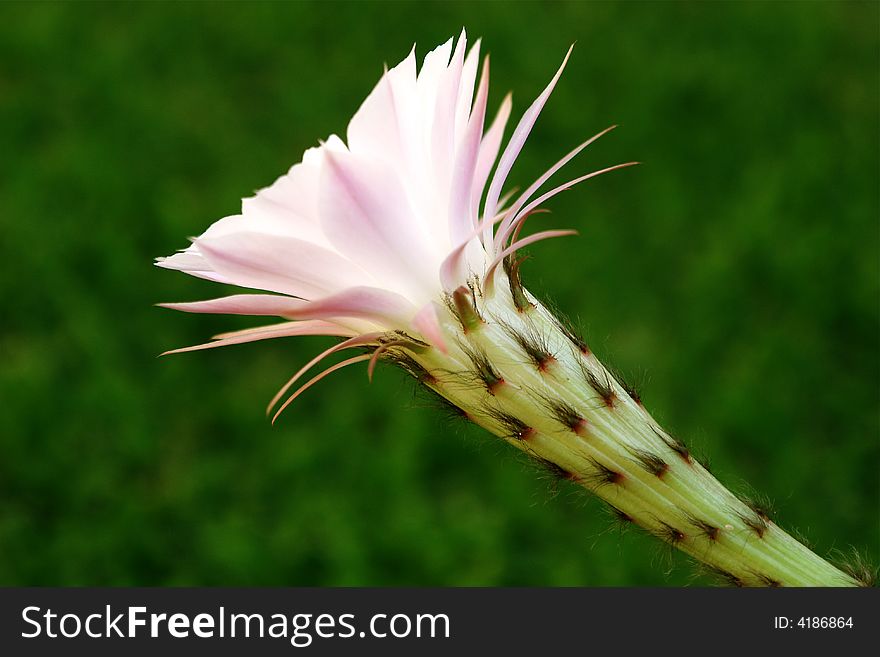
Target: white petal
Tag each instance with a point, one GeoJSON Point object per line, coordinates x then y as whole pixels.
{"type": "Point", "coordinates": [489, 148]}
{"type": "Point", "coordinates": [374, 129]}
{"type": "Point", "coordinates": [426, 323]}
{"type": "Point", "coordinates": [430, 77]}
{"type": "Point", "coordinates": [466, 90]}
{"type": "Point", "coordinates": [287, 329]}
{"type": "Point", "coordinates": [241, 304]}
{"type": "Point", "coordinates": [280, 264]}
{"type": "Point", "coordinates": [372, 304]}
{"type": "Point", "coordinates": [289, 206]}
{"type": "Point", "coordinates": [367, 217]}
{"type": "Point", "coordinates": [461, 221]}
{"type": "Point", "coordinates": [191, 262]}
{"type": "Point", "coordinates": [442, 127]}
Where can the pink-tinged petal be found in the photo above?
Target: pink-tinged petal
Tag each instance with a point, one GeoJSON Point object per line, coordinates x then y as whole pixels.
{"type": "Point", "coordinates": [381, 349]}
{"type": "Point", "coordinates": [280, 264]}
{"type": "Point", "coordinates": [427, 323]}
{"type": "Point", "coordinates": [443, 125]}
{"type": "Point", "coordinates": [241, 304]}
{"type": "Point", "coordinates": [466, 90]}
{"type": "Point", "coordinates": [402, 82]}
{"type": "Point", "coordinates": [452, 269]}
{"type": "Point", "coordinates": [502, 203]}
{"type": "Point", "coordinates": [275, 223]}
{"type": "Point", "coordinates": [430, 75]}
{"type": "Point", "coordinates": [489, 147]}
{"type": "Point", "coordinates": [488, 279]}
{"type": "Point", "coordinates": [288, 329]}
{"type": "Point", "coordinates": [327, 328]}
{"type": "Point", "coordinates": [314, 380]}
{"type": "Point", "coordinates": [529, 209]}
{"type": "Point", "coordinates": [356, 341]}
{"type": "Point", "coordinates": [187, 260]}
{"type": "Point", "coordinates": [374, 130]}
{"type": "Point", "coordinates": [263, 214]}
{"type": "Point", "coordinates": [367, 216]}
{"type": "Point", "coordinates": [427, 170]}
{"type": "Point", "coordinates": [289, 206]}
{"type": "Point", "coordinates": [388, 309]}
{"type": "Point", "coordinates": [504, 229]}
{"type": "Point", "coordinates": [517, 140]}
{"type": "Point", "coordinates": [521, 220]}
{"type": "Point", "coordinates": [461, 222]}
{"type": "Point", "coordinates": [191, 262]}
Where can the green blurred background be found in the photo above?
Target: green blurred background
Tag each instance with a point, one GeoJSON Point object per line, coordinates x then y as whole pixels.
{"type": "Point", "coordinates": [734, 276]}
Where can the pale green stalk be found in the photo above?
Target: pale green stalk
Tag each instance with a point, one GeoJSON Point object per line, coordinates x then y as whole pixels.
{"type": "Point", "coordinates": [513, 368]}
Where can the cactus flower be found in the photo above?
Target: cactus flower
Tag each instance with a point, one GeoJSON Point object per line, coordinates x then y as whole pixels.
{"type": "Point", "coordinates": [399, 241]}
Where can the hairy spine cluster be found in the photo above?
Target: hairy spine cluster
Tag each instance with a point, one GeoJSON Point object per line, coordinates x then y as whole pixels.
{"type": "Point", "coordinates": [513, 368]}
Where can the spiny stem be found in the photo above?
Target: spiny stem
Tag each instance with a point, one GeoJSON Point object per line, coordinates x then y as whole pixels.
{"type": "Point", "coordinates": [514, 369]}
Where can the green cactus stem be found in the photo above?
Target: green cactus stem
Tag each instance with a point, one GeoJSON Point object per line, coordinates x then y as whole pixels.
{"type": "Point", "coordinates": [512, 367]}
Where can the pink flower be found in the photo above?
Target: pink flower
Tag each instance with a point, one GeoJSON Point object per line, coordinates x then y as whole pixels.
{"type": "Point", "coordinates": [392, 240]}
{"type": "Point", "coordinates": [370, 235]}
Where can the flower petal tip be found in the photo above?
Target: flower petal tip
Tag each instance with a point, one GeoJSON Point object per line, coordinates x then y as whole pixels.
{"type": "Point", "coordinates": [427, 323]}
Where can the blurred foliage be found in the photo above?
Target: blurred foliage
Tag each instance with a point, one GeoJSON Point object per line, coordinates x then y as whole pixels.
{"type": "Point", "coordinates": [734, 275]}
